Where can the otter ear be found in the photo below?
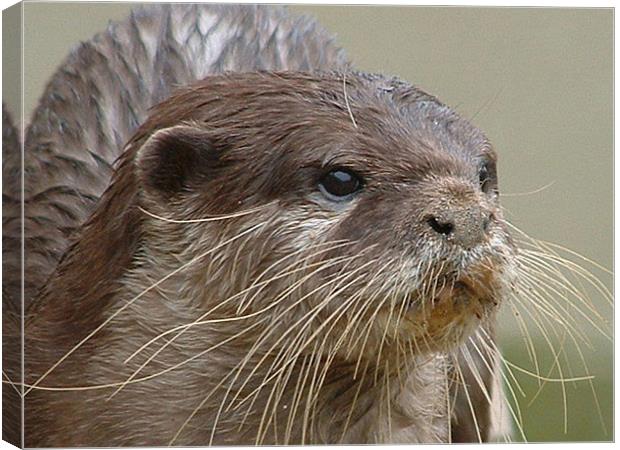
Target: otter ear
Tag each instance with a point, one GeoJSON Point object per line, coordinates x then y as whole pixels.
{"type": "Point", "coordinates": [172, 157]}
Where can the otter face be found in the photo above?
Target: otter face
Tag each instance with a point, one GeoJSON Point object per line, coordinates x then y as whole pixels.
{"type": "Point", "coordinates": [369, 212]}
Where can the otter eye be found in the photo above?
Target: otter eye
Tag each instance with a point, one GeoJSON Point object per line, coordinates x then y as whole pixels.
{"type": "Point", "coordinates": [484, 177]}
{"type": "Point", "coordinates": [339, 184]}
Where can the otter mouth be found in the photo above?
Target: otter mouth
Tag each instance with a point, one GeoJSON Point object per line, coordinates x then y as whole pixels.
{"type": "Point", "coordinates": [451, 312]}
{"type": "Point", "coordinates": [464, 290]}
{"type": "Point", "coordinates": [461, 296]}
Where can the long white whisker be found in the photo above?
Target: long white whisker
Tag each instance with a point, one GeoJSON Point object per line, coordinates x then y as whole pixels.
{"type": "Point", "coordinates": [130, 302]}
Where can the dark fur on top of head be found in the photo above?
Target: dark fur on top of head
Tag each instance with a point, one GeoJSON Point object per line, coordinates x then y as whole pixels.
{"type": "Point", "coordinates": [370, 288]}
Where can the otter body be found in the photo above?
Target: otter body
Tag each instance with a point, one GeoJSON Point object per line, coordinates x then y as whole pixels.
{"type": "Point", "coordinates": [301, 255]}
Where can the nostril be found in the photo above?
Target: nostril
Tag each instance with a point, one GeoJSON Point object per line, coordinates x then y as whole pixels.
{"type": "Point", "coordinates": [444, 228]}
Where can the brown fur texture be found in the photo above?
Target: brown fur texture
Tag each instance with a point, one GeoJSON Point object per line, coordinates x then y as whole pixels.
{"type": "Point", "coordinates": [103, 90]}
{"type": "Point", "coordinates": [199, 169]}
{"type": "Point", "coordinates": [11, 283]}
{"type": "Point", "coordinates": [282, 289]}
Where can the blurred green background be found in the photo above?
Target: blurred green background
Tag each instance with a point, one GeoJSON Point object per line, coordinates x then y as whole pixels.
{"type": "Point", "coordinates": [538, 81]}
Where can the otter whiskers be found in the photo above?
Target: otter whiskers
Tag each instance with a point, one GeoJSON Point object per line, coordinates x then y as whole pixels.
{"type": "Point", "coordinates": [306, 319]}
{"type": "Point", "coordinates": [200, 321]}
{"type": "Point", "coordinates": [547, 298]}
{"type": "Point", "coordinates": [257, 345]}
{"type": "Point", "coordinates": [128, 303]}
{"type": "Point", "coordinates": [243, 293]}
{"type": "Point", "coordinates": [208, 219]}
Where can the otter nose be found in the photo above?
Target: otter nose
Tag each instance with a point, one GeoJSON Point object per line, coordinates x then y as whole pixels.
{"type": "Point", "coordinates": [466, 227]}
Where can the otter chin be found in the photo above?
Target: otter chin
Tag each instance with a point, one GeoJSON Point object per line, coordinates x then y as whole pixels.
{"type": "Point", "coordinates": [453, 314]}
{"type": "Point", "coordinates": [452, 303]}
{"type": "Point", "coordinates": [280, 258]}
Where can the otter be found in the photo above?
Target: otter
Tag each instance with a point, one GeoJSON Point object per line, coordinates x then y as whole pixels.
{"type": "Point", "coordinates": [288, 251]}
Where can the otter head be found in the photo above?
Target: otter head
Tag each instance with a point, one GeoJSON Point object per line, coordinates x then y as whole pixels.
{"type": "Point", "coordinates": [341, 215]}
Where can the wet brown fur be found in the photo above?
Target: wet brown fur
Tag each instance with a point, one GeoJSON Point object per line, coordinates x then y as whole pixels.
{"type": "Point", "coordinates": [204, 152]}
{"type": "Point", "coordinates": [226, 134]}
